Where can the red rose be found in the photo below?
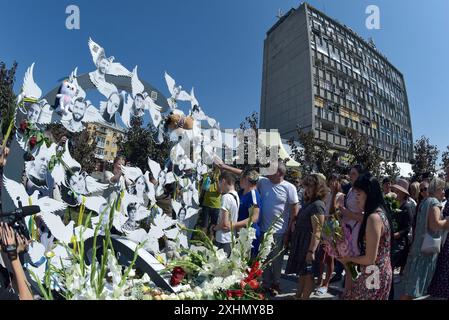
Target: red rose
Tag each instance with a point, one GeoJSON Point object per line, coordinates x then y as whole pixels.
{"type": "Point", "coordinates": [32, 142]}
{"type": "Point", "coordinates": [259, 273]}
{"type": "Point", "coordinates": [239, 293]}
{"type": "Point", "coordinates": [23, 126]}
{"type": "Point", "coordinates": [229, 294]}
{"type": "Point", "coordinates": [256, 265]}
{"type": "Point", "coordinates": [254, 284]}
{"type": "Point", "coordinates": [177, 276]}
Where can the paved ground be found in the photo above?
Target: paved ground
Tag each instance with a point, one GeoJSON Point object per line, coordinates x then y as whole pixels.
{"type": "Point", "coordinates": [289, 285]}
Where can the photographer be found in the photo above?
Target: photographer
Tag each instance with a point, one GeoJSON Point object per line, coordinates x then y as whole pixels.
{"type": "Point", "coordinates": [11, 245]}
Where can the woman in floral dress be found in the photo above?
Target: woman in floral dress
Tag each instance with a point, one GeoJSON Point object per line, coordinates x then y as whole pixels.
{"type": "Point", "coordinates": [374, 282]}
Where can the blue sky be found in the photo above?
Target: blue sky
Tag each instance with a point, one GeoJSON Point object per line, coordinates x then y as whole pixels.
{"type": "Point", "coordinates": [217, 46]}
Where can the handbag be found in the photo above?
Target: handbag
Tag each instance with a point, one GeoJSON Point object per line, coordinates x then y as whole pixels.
{"type": "Point", "coordinates": [431, 244]}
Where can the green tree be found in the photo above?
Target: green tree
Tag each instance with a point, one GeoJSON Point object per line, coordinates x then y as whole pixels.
{"type": "Point", "coordinates": [7, 96]}
{"type": "Point", "coordinates": [82, 147]}
{"type": "Point", "coordinates": [138, 145]}
{"type": "Point", "coordinates": [314, 155]}
{"type": "Point", "coordinates": [391, 168]}
{"type": "Point", "coordinates": [445, 158]}
{"type": "Point", "coordinates": [362, 151]}
{"type": "Point", "coordinates": [251, 122]}
{"type": "Point", "coordinates": [425, 158]}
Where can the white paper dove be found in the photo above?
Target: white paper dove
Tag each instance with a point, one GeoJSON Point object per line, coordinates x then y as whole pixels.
{"type": "Point", "coordinates": [17, 192]}
{"type": "Point", "coordinates": [30, 89]}
{"type": "Point", "coordinates": [177, 94]}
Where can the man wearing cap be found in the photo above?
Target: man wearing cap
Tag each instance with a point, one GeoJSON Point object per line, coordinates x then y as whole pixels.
{"type": "Point", "coordinates": [402, 225]}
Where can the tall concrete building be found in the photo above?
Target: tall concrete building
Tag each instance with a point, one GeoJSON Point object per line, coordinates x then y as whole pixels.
{"type": "Point", "coordinates": [320, 75]}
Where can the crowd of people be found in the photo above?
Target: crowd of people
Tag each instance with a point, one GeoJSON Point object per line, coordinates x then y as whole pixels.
{"type": "Point", "coordinates": [397, 229]}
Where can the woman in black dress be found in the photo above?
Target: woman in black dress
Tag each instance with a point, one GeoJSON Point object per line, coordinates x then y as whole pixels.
{"type": "Point", "coordinates": [307, 233]}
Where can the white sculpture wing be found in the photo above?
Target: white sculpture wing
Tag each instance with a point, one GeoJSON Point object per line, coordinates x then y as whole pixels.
{"type": "Point", "coordinates": [54, 223]}
{"type": "Point", "coordinates": [16, 190]}
{"type": "Point", "coordinates": [117, 69]}
{"type": "Point", "coordinates": [142, 213]}
{"type": "Point", "coordinates": [151, 194]}
{"type": "Point", "coordinates": [30, 89]}
{"type": "Point", "coordinates": [183, 96]}
{"type": "Point", "coordinates": [176, 206]}
{"type": "Point", "coordinates": [170, 178]}
{"type": "Point", "coordinates": [96, 204]}
{"type": "Point", "coordinates": [193, 101]}
{"type": "Point", "coordinates": [119, 221]}
{"type": "Point", "coordinates": [155, 168]}
{"type": "Point", "coordinates": [80, 91]}
{"type": "Point", "coordinates": [155, 113]}
{"type": "Point", "coordinates": [132, 173]}
{"type": "Point", "coordinates": [49, 205]}
{"type": "Point", "coordinates": [126, 112]}
{"type": "Point", "coordinates": [163, 221]}
{"type": "Point", "coordinates": [136, 85]}
{"type": "Point", "coordinates": [92, 115]}
{"type": "Point", "coordinates": [170, 83]}
{"type": "Point", "coordinates": [92, 185]}
{"type": "Point", "coordinates": [68, 159]}
{"type": "Point", "coordinates": [191, 212]}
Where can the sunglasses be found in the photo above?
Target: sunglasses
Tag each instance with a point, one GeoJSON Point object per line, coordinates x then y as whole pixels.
{"type": "Point", "coordinates": [424, 189]}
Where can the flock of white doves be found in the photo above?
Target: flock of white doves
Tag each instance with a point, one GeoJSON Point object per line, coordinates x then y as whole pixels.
{"type": "Point", "coordinates": [141, 194]}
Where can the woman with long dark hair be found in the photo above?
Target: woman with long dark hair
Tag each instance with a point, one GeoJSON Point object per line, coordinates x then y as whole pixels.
{"type": "Point", "coordinates": [374, 242]}
{"type": "Point", "coordinates": [352, 212]}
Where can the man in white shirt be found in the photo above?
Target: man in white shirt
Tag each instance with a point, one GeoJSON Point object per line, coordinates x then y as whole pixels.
{"type": "Point", "coordinates": [280, 206]}
{"type": "Point", "coordinates": [228, 213]}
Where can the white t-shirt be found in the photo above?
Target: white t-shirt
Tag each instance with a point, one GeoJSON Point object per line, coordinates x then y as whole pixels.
{"type": "Point", "coordinates": [277, 200]}
{"type": "Point", "coordinates": [230, 204]}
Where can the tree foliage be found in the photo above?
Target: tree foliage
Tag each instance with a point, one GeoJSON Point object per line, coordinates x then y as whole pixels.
{"type": "Point", "coordinates": [425, 158]}
{"type": "Point", "coordinates": [390, 167]}
{"type": "Point", "coordinates": [7, 96]}
{"type": "Point", "coordinates": [314, 155]}
{"type": "Point", "coordinates": [363, 152]}
{"type": "Point", "coordinates": [81, 145]}
{"type": "Point", "coordinates": [138, 144]}
{"type": "Point", "coordinates": [445, 158]}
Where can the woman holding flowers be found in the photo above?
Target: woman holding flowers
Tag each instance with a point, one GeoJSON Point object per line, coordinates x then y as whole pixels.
{"type": "Point", "coordinates": [307, 233]}
{"type": "Point", "coordinates": [352, 213]}
{"type": "Point", "coordinates": [374, 241]}
{"type": "Point", "coordinates": [420, 267]}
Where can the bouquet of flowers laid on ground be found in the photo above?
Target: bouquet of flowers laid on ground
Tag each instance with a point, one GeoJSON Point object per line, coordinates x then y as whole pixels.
{"type": "Point", "coordinates": [103, 278]}
{"type": "Point", "coordinates": [337, 240]}
{"type": "Point", "coordinates": [210, 272]}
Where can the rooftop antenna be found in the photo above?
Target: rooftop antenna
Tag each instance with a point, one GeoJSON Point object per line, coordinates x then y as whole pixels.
{"type": "Point", "coordinates": [280, 14]}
